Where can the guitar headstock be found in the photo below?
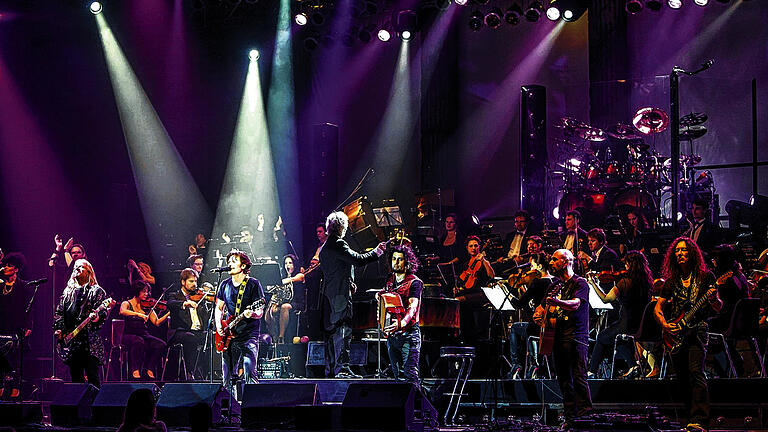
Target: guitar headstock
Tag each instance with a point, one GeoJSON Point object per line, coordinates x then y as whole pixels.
{"type": "Point", "coordinates": [724, 278]}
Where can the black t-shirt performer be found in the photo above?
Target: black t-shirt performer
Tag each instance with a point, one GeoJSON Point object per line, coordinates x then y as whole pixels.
{"type": "Point", "coordinates": [571, 335]}
{"type": "Point", "coordinates": [688, 281]}
{"type": "Point", "coordinates": [337, 261]}
{"type": "Point", "coordinates": [236, 293]}
{"type": "Point", "coordinates": [404, 337]}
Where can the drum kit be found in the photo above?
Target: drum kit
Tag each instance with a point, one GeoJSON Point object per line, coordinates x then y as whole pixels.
{"type": "Point", "coordinates": [614, 170]}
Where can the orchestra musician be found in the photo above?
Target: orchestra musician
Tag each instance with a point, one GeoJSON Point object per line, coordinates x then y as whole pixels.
{"type": "Point", "coordinates": [145, 350]}
{"type": "Point", "coordinates": [337, 261]}
{"type": "Point", "coordinates": [476, 273]}
{"type": "Point", "coordinates": [189, 318]}
{"type": "Point", "coordinates": [235, 294]}
{"type": "Point", "coordinates": [687, 280]}
{"type": "Point", "coordinates": [700, 228]}
{"type": "Point", "coordinates": [139, 272]}
{"type": "Point", "coordinates": [200, 246]}
{"type": "Point", "coordinates": [278, 311]}
{"type": "Point", "coordinates": [403, 335]}
{"type": "Point", "coordinates": [634, 238]}
{"type": "Point", "coordinates": [571, 337]}
{"type": "Point", "coordinates": [452, 242]}
{"type": "Point", "coordinates": [80, 299]}
{"type": "Point", "coordinates": [65, 255]}
{"type": "Point", "coordinates": [517, 240]}
{"type": "Point", "coordinates": [574, 238]}
{"type": "Point", "coordinates": [601, 257]}
{"type": "Point", "coordinates": [629, 295]}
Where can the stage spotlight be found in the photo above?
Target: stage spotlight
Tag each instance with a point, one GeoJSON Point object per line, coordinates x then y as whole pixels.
{"type": "Point", "coordinates": [310, 44]}
{"type": "Point", "coordinates": [553, 13]}
{"type": "Point", "coordinates": [533, 13]}
{"type": "Point", "coordinates": [633, 6]}
{"type": "Point", "coordinates": [384, 35]}
{"type": "Point", "coordinates": [405, 24]}
{"type": "Point", "coordinates": [493, 18]}
{"type": "Point", "coordinates": [364, 35]}
{"type": "Point", "coordinates": [461, 2]}
{"type": "Point", "coordinates": [254, 54]}
{"type": "Point", "coordinates": [482, 2]}
{"type": "Point", "coordinates": [572, 9]}
{"type": "Point", "coordinates": [701, 3]}
{"type": "Point", "coordinates": [318, 18]}
{"type": "Point", "coordinates": [301, 19]}
{"type": "Point", "coordinates": [675, 4]}
{"type": "Point", "coordinates": [654, 5]}
{"type": "Point", "coordinates": [556, 212]}
{"type": "Point", "coordinates": [443, 4]}
{"type": "Point", "coordinates": [512, 15]}
{"type": "Point", "coordinates": [476, 21]}
{"type": "Point", "coordinates": [96, 8]}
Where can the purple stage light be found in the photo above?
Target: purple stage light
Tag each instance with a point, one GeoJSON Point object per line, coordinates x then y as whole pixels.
{"type": "Point", "coordinates": [675, 4]}
{"type": "Point", "coordinates": [633, 6]}
{"type": "Point", "coordinates": [553, 13]}
{"type": "Point", "coordinates": [384, 35]}
{"type": "Point", "coordinates": [654, 5]}
{"type": "Point", "coordinates": [301, 19]}
{"type": "Point", "coordinates": [493, 18]}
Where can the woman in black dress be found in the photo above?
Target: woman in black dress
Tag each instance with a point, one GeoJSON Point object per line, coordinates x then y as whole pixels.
{"type": "Point", "coordinates": [145, 350]}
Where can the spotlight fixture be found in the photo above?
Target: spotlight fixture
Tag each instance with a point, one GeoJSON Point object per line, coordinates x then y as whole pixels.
{"type": "Point", "coordinates": [553, 13]}
{"type": "Point", "coordinates": [476, 21]}
{"type": "Point", "coordinates": [654, 5]}
{"type": "Point", "coordinates": [701, 3]}
{"type": "Point", "coordinates": [364, 35]}
{"type": "Point", "coordinates": [310, 44]}
{"type": "Point", "coordinates": [493, 18]}
{"type": "Point", "coordinates": [405, 24]}
{"type": "Point", "coordinates": [301, 19]}
{"type": "Point", "coordinates": [96, 8]}
{"type": "Point", "coordinates": [443, 4]}
{"type": "Point", "coordinates": [318, 18]}
{"type": "Point", "coordinates": [254, 54]}
{"type": "Point", "coordinates": [633, 6]}
{"type": "Point", "coordinates": [461, 2]}
{"type": "Point", "coordinates": [533, 13]}
{"type": "Point", "coordinates": [572, 9]}
{"type": "Point", "coordinates": [675, 4]}
{"type": "Point", "coordinates": [482, 2]}
{"type": "Point", "coordinates": [513, 13]}
{"type": "Point", "coordinates": [384, 35]}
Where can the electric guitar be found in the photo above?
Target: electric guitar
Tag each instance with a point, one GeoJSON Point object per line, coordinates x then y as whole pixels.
{"type": "Point", "coordinates": [549, 321]}
{"type": "Point", "coordinates": [228, 325]}
{"type": "Point", "coordinates": [673, 340]}
{"type": "Point", "coordinates": [64, 344]}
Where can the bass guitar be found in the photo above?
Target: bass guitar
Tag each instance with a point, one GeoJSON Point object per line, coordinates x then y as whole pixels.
{"type": "Point", "coordinates": [673, 340]}
{"type": "Point", "coordinates": [468, 278]}
{"type": "Point", "coordinates": [64, 344]}
{"type": "Point", "coordinates": [228, 325]}
{"type": "Point", "coordinates": [549, 321]}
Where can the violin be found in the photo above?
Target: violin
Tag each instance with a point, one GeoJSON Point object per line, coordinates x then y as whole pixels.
{"type": "Point", "coordinates": [199, 293]}
{"type": "Point", "coordinates": [153, 303]}
{"type": "Point", "coordinates": [612, 276]}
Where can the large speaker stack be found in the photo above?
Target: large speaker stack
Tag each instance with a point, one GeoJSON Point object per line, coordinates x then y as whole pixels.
{"type": "Point", "coordinates": [533, 150]}
{"type": "Point", "coordinates": [177, 400]}
{"type": "Point", "coordinates": [272, 405]}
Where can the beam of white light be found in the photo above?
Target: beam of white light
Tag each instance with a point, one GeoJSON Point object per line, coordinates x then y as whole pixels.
{"type": "Point", "coordinates": [282, 126]}
{"type": "Point", "coordinates": [249, 182]}
{"type": "Point", "coordinates": [171, 202]}
{"type": "Point", "coordinates": [692, 51]}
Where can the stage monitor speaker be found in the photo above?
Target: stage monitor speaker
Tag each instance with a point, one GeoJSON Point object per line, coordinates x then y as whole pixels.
{"type": "Point", "coordinates": [19, 413]}
{"type": "Point", "coordinates": [358, 354]}
{"type": "Point", "coordinates": [386, 406]}
{"type": "Point", "coordinates": [109, 405]}
{"type": "Point", "coordinates": [271, 405]}
{"type": "Point", "coordinates": [72, 404]}
{"type": "Point", "coordinates": [177, 400]}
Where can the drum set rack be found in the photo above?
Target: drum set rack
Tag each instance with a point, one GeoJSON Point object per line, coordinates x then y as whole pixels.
{"type": "Point", "coordinates": [612, 171]}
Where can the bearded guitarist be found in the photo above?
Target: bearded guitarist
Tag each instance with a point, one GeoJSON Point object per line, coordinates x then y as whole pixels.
{"type": "Point", "coordinates": [687, 282]}
{"type": "Point", "coordinates": [79, 302]}
{"type": "Point", "coordinates": [236, 293]}
{"type": "Point", "coordinates": [571, 334]}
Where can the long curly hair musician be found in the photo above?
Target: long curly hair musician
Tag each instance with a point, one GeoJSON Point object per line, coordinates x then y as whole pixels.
{"type": "Point", "coordinates": [411, 262]}
{"type": "Point", "coordinates": [671, 270]}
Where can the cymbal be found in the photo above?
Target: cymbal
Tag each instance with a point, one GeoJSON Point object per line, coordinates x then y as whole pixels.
{"type": "Point", "coordinates": [570, 123]}
{"type": "Point", "coordinates": [692, 132]}
{"type": "Point", "coordinates": [650, 120]}
{"type": "Point", "coordinates": [623, 132]}
{"type": "Point", "coordinates": [590, 133]}
{"type": "Point", "coordinates": [693, 119]}
{"type": "Point", "coordinates": [690, 160]}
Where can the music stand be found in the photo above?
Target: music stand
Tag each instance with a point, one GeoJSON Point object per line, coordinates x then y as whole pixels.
{"type": "Point", "coordinates": [267, 273]}
{"type": "Point", "coordinates": [500, 297]}
{"type": "Point", "coordinates": [388, 216]}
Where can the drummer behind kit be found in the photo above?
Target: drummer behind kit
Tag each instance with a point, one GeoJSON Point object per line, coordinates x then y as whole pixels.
{"type": "Point", "coordinates": [615, 170]}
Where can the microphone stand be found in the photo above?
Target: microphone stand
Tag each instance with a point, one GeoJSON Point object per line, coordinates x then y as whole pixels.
{"type": "Point", "coordinates": [22, 335]}
{"type": "Point", "coordinates": [208, 344]}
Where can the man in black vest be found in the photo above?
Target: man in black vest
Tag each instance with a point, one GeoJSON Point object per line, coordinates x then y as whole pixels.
{"type": "Point", "coordinates": [188, 320]}
{"type": "Point", "coordinates": [337, 261]}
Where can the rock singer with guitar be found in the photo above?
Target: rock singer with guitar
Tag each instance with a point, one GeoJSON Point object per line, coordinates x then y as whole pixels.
{"type": "Point", "coordinates": [564, 319]}
{"type": "Point", "coordinates": [689, 291]}
{"type": "Point", "coordinates": [239, 298]}
{"type": "Point", "coordinates": [81, 300]}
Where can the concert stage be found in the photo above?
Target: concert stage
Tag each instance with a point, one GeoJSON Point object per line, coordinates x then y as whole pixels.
{"type": "Point", "coordinates": [377, 404]}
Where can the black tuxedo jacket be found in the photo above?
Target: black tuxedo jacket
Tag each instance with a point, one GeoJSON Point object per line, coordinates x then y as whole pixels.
{"type": "Point", "coordinates": [607, 261]}
{"type": "Point", "coordinates": [337, 261]}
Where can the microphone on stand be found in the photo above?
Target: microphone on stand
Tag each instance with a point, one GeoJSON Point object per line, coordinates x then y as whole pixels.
{"type": "Point", "coordinates": [38, 281]}
{"type": "Point", "coordinates": [220, 270]}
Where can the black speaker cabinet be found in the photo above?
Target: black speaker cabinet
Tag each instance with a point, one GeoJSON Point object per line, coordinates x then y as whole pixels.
{"type": "Point", "coordinates": [380, 406]}
{"type": "Point", "coordinates": [72, 404]}
{"type": "Point", "coordinates": [271, 405]}
{"type": "Point", "coordinates": [109, 405]}
{"type": "Point", "coordinates": [19, 413]}
{"type": "Point", "coordinates": [178, 399]}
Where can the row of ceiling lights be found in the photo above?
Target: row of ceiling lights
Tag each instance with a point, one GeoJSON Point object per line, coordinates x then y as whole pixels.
{"type": "Point", "coordinates": [568, 10]}
{"type": "Point", "coordinates": [636, 6]}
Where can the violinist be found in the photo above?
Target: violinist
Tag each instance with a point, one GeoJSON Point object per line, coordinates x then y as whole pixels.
{"type": "Point", "coordinates": [476, 273]}
{"type": "Point", "coordinates": [145, 349]}
{"type": "Point", "coordinates": [189, 317]}
{"type": "Point", "coordinates": [629, 295]}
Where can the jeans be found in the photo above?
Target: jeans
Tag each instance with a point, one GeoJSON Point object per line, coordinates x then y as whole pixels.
{"type": "Point", "coordinates": [83, 362]}
{"type": "Point", "coordinates": [518, 336]}
{"type": "Point", "coordinates": [403, 349]}
{"type": "Point", "coordinates": [688, 363]}
{"type": "Point", "coordinates": [248, 349]}
{"type": "Point", "coordinates": [571, 368]}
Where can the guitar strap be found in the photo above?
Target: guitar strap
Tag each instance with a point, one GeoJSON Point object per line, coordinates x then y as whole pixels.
{"type": "Point", "coordinates": [240, 293]}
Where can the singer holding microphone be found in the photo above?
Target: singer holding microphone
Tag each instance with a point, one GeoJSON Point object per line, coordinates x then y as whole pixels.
{"type": "Point", "coordinates": [14, 297]}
